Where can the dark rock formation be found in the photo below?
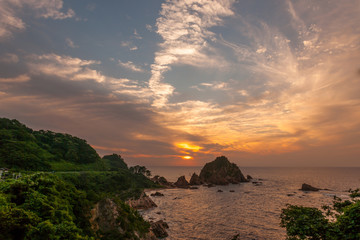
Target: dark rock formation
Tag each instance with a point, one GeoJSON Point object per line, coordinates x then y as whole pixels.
{"type": "Point", "coordinates": [181, 182]}
{"type": "Point", "coordinates": [159, 228]}
{"type": "Point", "coordinates": [157, 194]}
{"type": "Point", "coordinates": [248, 177]}
{"type": "Point", "coordinates": [221, 172]}
{"type": "Point", "coordinates": [195, 180]}
{"type": "Point", "coordinates": [220, 190]}
{"type": "Point", "coordinates": [144, 202]}
{"type": "Point", "coordinates": [307, 187]}
{"type": "Point", "coordinates": [232, 191]}
{"type": "Point", "coordinates": [161, 181]}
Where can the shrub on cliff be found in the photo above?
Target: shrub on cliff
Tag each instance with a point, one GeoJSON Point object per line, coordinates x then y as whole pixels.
{"type": "Point", "coordinates": [339, 221]}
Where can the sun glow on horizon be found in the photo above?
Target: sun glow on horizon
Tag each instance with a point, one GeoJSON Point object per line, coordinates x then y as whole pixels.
{"type": "Point", "coordinates": [187, 157]}
{"type": "Point", "coordinates": [188, 146]}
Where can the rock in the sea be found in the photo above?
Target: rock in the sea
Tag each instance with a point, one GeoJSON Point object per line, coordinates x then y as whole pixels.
{"type": "Point", "coordinates": [181, 182]}
{"type": "Point", "coordinates": [143, 202]}
{"type": "Point", "coordinates": [159, 228]}
{"type": "Point", "coordinates": [220, 190]}
{"type": "Point", "coordinates": [232, 190]}
{"type": "Point", "coordinates": [307, 187]}
{"type": "Point", "coordinates": [195, 180]}
{"type": "Point", "coordinates": [161, 181]}
{"type": "Point", "coordinates": [248, 177]}
{"type": "Point", "coordinates": [221, 172]}
{"type": "Point", "coordinates": [157, 194]}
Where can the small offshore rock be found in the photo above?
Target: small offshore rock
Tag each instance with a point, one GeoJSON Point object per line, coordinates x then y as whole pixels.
{"type": "Point", "coordinates": [290, 194]}
{"type": "Point", "coordinates": [157, 194]}
{"type": "Point", "coordinates": [248, 177]}
{"type": "Point", "coordinates": [195, 180]}
{"type": "Point", "coordinates": [232, 190]}
{"type": "Point", "coordinates": [210, 185]}
{"type": "Point", "coordinates": [307, 187]}
{"type": "Point", "coordinates": [220, 190]}
{"type": "Point", "coordinates": [181, 182]}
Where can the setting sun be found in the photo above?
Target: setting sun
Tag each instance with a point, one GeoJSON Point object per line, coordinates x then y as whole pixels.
{"type": "Point", "coordinates": [188, 146]}
{"type": "Point", "coordinates": [187, 157]}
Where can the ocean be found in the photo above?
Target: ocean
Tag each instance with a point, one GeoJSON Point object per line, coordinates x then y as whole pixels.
{"type": "Point", "coordinates": [253, 211]}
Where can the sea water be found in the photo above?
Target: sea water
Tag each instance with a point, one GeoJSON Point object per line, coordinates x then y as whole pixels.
{"type": "Point", "coordinates": [251, 210]}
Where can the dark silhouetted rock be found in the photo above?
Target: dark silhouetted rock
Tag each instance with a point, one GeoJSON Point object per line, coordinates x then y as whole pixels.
{"type": "Point", "coordinates": [307, 187]}
{"type": "Point", "coordinates": [210, 185]}
{"type": "Point", "coordinates": [232, 190]}
{"type": "Point", "coordinates": [221, 172]}
{"type": "Point", "coordinates": [159, 229]}
{"type": "Point", "coordinates": [161, 181]}
{"type": "Point", "coordinates": [195, 180]}
{"type": "Point", "coordinates": [220, 190]}
{"type": "Point", "coordinates": [248, 177]}
{"type": "Point", "coordinates": [181, 182]}
{"type": "Point", "coordinates": [157, 194]}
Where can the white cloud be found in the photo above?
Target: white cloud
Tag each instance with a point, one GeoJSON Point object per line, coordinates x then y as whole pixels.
{"type": "Point", "coordinates": [65, 67]}
{"type": "Point", "coordinates": [70, 43]}
{"type": "Point", "coordinates": [10, 13]}
{"type": "Point", "coordinates": [137, 35]}
{"type": "Point", "coordinates": [184, 27]}
{"type": "Point", "coordinates": [131, 46]}
{"type": "Point", "coordinates": [131, 66]}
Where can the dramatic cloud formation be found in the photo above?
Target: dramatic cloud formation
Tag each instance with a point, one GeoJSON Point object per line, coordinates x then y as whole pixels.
{"type": "Point", "coordinates": [264, 84]}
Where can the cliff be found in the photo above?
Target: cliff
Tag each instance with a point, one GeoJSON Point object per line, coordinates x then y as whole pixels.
{"type": "Point", "coordinates": [221, 172]}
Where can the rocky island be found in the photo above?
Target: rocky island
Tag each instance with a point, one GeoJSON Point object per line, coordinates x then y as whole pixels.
{"type": "Point", "coordinates": [220, 172]}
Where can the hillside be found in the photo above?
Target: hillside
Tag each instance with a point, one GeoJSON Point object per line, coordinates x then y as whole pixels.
{"type": "Point", "coordinates": [22, 148]}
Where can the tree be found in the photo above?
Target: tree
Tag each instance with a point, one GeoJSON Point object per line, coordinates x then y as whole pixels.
{"type": "Point", "coordinates": [339, 221]}
{"type": "Point", "coordinates": [140, 170]}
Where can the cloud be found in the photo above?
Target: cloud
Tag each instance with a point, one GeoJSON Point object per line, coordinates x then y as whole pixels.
{"type": "Point", "coordinates": [184, 28]}
{"type": "Point", "coordinates": [66, 67]}
{"type": "Point", "coordinates": [11, 11]}
{"type": "Point", "coordinates": [131, 66]}
{"type": "Point", "coordinates": [129, 45]}
{"type": "Point", "coordinates": [70, 43]}
{"type": "Point", "coordinates": [137, 35]}
{"type": "Point", "coordinates": [18, 79]}
{"type": "Point", "coordinates": [9, 58]}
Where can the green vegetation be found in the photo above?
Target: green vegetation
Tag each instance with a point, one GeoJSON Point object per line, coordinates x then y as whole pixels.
{"type": "Point", "coordinates": [22, 148]}
{"type": "Point", "coordinates": [339, 221]}
{"type": "Point", "coordinates": [56, 205]}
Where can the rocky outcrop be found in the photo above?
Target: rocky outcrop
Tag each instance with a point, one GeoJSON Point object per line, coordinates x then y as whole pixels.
{"type": "Point", "coordinates": [181, 182]}
{"type": "Point", "coordinates": [195, 180]}
{"type": "Point", "coordinates": [105, 219]}
{"type": "Point", "coordinates": [143, 202]}
{"type": "Point", "coordinates": [161, 181]}
{"type": "Point", "coordinates": [307, 187]}
{"type": "Point", "coordinates": [159, 228]}
{"type": "Point", "coordinates": [248, 177]}
{"type": "Point", "coordinates": [157, 194]}
{"type": "Point", "coordinates": [221, 172]}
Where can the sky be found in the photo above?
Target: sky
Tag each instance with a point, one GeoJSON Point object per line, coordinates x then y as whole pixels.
{"type": "Point", "coordinates": [178, 83]}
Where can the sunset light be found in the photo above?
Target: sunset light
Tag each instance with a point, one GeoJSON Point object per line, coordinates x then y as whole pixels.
{"type": "Point", "coordinates": [187, 157]}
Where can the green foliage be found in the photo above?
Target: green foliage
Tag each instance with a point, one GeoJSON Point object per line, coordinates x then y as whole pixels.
{"type": "Point", "coordinates": [122, 183]}
{"type": "Point", "coordinates": [21, 148]}
{"type": "Point", "coordinates": [140, 170]}
{"type": "Point", "coordinates": [339, 221]}
{"type": "Point", "coordinates": [114, 162]}
{"type": "Point", "coordinates": [42, 206]}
